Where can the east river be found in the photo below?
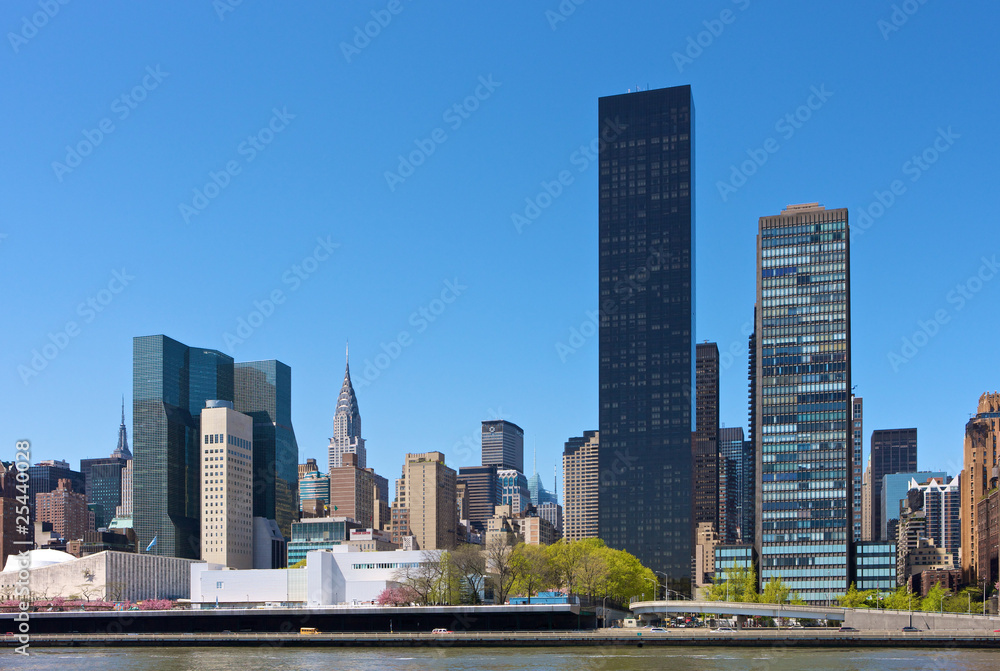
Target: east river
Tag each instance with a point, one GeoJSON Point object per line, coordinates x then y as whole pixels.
{"type": "Point", "coordinates": [506, 659]}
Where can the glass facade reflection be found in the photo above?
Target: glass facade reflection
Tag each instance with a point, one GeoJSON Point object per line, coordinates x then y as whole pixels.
{"type": "Point", "coordinates": [646, 302]}
{"type": "Point", "coordinates": [170, 383]}
{"type": "Point", "coordinates": [264, 391]}
{"type": "Point", "coordinates": [803, 401]}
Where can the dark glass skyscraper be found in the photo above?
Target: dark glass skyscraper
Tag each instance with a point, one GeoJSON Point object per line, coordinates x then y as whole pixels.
{"type": "Point", "coordinates": [707, 466]}
{"type": "Point", "coordinates": [646, 301]}
{"type": "Point", "coordinates": [484, 493]}
{"type": "Point", "coordinates": [735, 487]}
{"type": "Point", "coordinates": [802, 386]}
{"type": "Point", "coordinates": [170, 383]}
{"type": "Point", "coordinates": [263, 390]}
{"type": "Point", "coordinates": [892, 451]}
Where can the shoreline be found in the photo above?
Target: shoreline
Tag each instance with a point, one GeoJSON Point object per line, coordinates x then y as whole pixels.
{"type": "Point", "coordinates": [636, 639]}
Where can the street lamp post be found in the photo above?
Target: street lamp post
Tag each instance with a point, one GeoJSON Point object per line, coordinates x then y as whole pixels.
{"type": "Point", "coordinates": [655, 586]}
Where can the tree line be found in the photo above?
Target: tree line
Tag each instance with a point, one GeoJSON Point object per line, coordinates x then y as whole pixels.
{"type": "Point", "coordinates": [461, 576]}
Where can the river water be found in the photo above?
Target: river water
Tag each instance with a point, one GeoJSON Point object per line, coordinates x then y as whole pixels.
{"type": "Point", "coordinates": [505, 659]}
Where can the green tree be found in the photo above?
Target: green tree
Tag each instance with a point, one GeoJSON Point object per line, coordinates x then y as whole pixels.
{"type": "Point", "coordinates": [902, 599]}
{"type": "Point", "coordinates": [775, 591]}
{"type": "Point", "coordinates": [532, 569]}
{"type": "Point", "coordinates": [627, 577]}
{"type": "Point", "coordinates": [855, 598]}
{"type": "Point", "coordinates": [934, 601]}
{"type": "Point", "coordinates": [739, 584]}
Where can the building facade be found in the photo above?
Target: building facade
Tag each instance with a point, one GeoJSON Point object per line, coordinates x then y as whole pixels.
{"type": "Point", "coordinates": [45, 476]}
{"type": "Point", "coordinates": [892, 451]}
{"type": "Point", "coordinates": [483, 493]}
{"type": "Point", "coordinates": [503, 445]}
{"type": "Point", "coordinates": [894, 489]}
{"type": "Point", "coordinates": [980, 457]}
{"type": "Point", "coordinates": [359, 493]}
{"type": "Point", "coordinates": [646, 271]}
{"type": "Point", "coordinates": [65, 510]}
{"type": "Point", "coordinates": [170, 384]}
{"type": "Point", "coordinates": [866, 503]}
{"type": "Point", "coordinates": [427, 490]}
{"type": "Point", "coordinates": [513, 489]}
{"type": "Point", "coordinates": [803, 394]}
{"type": "Point", "coordinates": [705, 445]}
{"type": "Point", "coordinates": [226, 486]}
{"type": "Point", "coordinates": [875, 566]}
{"type": "Point", "coordinates": [263, 390]}
{"type": "Point", "coordinates": [580, 484]}
{"type": "Point", "coordinates": [857, 428]}
{"type": "Point", "coordinates": [736, 491]}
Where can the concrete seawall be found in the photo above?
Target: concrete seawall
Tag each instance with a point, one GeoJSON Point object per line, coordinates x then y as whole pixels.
{"type": "Point", "coordinates": [601, 638]}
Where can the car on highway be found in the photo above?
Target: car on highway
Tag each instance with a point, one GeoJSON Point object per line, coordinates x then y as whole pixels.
{"type": "Point", "coordinates": [442, 630]}
{"type": "Point", "coordinates": [657, 630]}
{"type": "Point", "coordinates": [910, 629]}
{"type": "Point", "coordinates": [723, 630]}
{"type": "Point", "coordinates": [847, 629]}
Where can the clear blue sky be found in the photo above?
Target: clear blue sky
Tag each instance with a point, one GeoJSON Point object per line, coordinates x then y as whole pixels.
{"type": "Point", "coordinates": [330, 121]}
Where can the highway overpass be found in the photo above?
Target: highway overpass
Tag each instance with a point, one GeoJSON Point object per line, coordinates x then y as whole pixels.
{"type": "Point", "coordinates": [652, 608]}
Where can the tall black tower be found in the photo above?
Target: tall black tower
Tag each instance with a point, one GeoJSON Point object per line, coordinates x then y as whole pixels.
{"type": "Point", "coordinates": [647, 318]}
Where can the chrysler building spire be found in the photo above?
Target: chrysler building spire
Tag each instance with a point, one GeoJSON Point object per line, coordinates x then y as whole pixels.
{"type": "Point", "coordinates": [347, 423]}
{"type": "Point", "coordinates": [122, 451]}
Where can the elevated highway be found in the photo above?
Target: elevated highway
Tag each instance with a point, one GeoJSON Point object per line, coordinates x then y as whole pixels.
{"type": "Point", "coordinates": [738, 608]}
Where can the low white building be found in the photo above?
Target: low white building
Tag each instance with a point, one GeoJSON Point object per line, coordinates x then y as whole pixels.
{"type": "Point", "coordinates": [330, 577]}
{"type": "Point", "coordinates": [109, 575]}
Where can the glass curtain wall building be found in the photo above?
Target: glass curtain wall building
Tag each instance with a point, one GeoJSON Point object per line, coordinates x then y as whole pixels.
{"type": "Point", "coordinates": [264, 391]}
{"type": "Point", "coordinates": [802, 385]}
{"type": "Point", "coordinates": [170, 384]}
{"type": "Point", "coordinates": [646, 300]}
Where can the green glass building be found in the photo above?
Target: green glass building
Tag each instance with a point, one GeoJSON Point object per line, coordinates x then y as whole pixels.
{"type": "Point", "coordinates": [170, 384]}
{"type": "Point", "coordinates": [264, 392]}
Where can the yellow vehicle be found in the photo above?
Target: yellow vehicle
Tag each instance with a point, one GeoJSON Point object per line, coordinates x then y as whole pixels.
{"type": "Point", "coordinates": [308, 630]}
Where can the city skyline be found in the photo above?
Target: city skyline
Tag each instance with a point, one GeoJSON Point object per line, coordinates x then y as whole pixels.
{"type": "Point", "coordinates": [355, 259]}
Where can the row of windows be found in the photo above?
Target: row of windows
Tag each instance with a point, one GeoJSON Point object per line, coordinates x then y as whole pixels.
{"type": "Point", "coordinates": [778, 231]}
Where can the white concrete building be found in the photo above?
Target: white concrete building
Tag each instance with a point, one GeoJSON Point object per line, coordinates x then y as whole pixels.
{"type": "Point", "coordinates": [109, 575]}
{"type": "Point", "coordinates": [330, 577]}
{"type": "Point", "coordinates": [226, 486]}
